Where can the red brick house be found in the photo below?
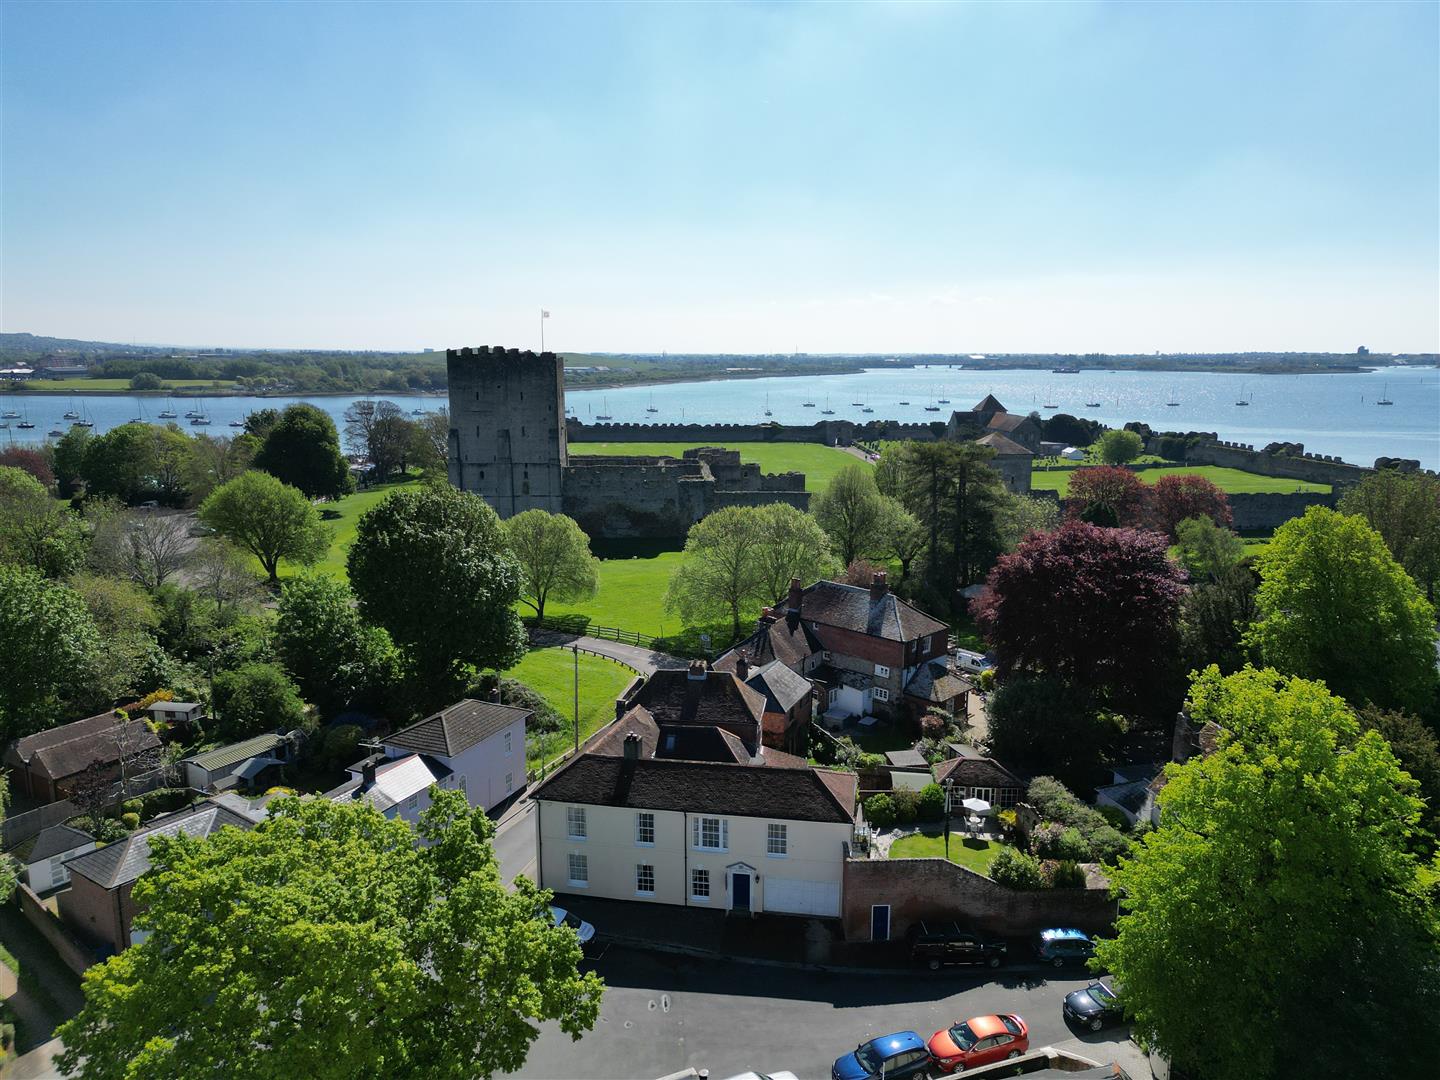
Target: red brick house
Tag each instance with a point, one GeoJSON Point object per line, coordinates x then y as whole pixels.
{"type": "Point", "coordinates": [44, 766]}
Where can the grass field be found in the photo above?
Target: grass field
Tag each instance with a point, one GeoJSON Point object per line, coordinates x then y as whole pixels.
{"type": "Point", "coordinates": [631, 596]}
{"type": "Point", "coordinates": [117, 386]}
{"type": "Point", "coordinates": [349, 510]}
{"type": "Point", "coordinates": [818, 463]}
{"type": "Point", "coordinates": [1233, 481]}
{"type": "Point", "coordinates": [551, 673]}
{"type": "Point", "coordinates": [965, 851]}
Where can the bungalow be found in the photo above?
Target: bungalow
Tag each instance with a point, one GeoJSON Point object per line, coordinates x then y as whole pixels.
{"type": "Point", "coordinates": [98, 905]}
{"type": "Point", "coordinates": [724, 836]}
{"type": "Point", "coordinates": [45, 861]}
{"type": "Point", "coordinates": [978, 778]}
{"type": "Point", "coordinates": [44, 766]}
{"type": "Point", "coordinates": [252, 763]}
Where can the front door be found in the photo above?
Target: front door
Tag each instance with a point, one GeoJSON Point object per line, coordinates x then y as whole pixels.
{"type": "Point", "coordinates": [880, 922]}
{"type": "Point", "coordinates": [740, 891]}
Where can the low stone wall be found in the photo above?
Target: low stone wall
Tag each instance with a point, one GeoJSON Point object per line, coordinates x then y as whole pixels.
{"type": "Point", "coordinates": [1270, 510]}
{"type": "Point", "coordinates": [826, 432]}
{"type": "Point", "coordinates": [1316, 468]}
{"type": "Point", "coordinates": [919, 889]}
{"type": "Point", "coordinates": [67, 946]}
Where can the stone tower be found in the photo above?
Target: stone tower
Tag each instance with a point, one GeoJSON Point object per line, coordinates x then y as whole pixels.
{"type": "Point", "coordinates": [507, 427]}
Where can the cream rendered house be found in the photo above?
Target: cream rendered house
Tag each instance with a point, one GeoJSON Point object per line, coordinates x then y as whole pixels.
{"type": "Point", "coordinates": [718, 835]}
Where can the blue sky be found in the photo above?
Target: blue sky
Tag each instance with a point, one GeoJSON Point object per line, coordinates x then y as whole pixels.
{"type": "Point", "coordinates": [759, 177]}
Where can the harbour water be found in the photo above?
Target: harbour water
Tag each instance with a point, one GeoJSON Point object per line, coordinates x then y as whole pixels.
{"type": "Point", "coordinates": [1335, 414]}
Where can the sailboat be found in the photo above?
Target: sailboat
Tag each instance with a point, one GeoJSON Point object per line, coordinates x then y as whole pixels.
{"type": "Point", "coordinates": [197, 416]}
{"type": "Point", "coordinates": [83, 421]}
{"type": "Point", "coordinates": [70, 413]}
{"type": "Point", "coordinates": [808, 405]}
{"type": "Point", "coordinates": [11, 414]}
{"type": "Point", "coordinates": [767, 406]}
{"type": "Point", "coordinates": [651, 407]}
{"type": "Point", "coordinates": [904, 403]}
{"type": "Point", "coordinates": [867, 408]}
{"type": "Point", "coordinates": [238, 423]}
{"type": "Point", "coordinates": [827, 411]}
{"type": "Point", "coordinates": [1243, 399]}
{"type": "Point", "coordinates": [142, 418]}
{"type": "Point", "coordinates": [606, 414]}
{"type": "Point", "coordinates": [1172, 402]}
{"type": "Point", "coordinates": [168, 413]}
{"type": "Point", "coordinates": [1385, 396]}
{"type": "Point", "coordinates": [25, 422]}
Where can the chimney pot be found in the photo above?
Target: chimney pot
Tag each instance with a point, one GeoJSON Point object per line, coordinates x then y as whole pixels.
{"type": "Point", "coordinates": [742, 669]}
{"type": "Point", "coordinates": [494, 696]}
{"type": "Point", "coordinates": [697, 670]}
{"type": "Point", "coordinates": [792, 602]}
{"type": "Point", "coordinates": [367, 773]}
{"type": "Point", "coordinates": [632, 746]}
{"type": "Point", "coordinates": [878, 587]}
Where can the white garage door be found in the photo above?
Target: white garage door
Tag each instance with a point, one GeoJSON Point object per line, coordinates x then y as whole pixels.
{"type": "Point", "coordinates": [802, 897]}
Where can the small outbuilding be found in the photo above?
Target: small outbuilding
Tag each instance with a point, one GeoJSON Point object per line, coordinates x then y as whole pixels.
{"type": "Point", "coordinates": [45, 861]}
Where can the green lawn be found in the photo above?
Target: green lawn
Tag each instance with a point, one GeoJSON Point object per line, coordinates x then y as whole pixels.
{"type": "Point", "coordinates": [631, 596]}
{"type": "Point", "coordinates": [1233, 481]}
{"type": "Point", "coordinates": [818, 463]}
{"type": "Point", "coordinates": [551, 673]}
{"type": "Point", "coordinates": [114, 386]}
{"type": "Point", "coordinates": [349, 510]}
{"type": "Point", "coordinates": [972, 854]}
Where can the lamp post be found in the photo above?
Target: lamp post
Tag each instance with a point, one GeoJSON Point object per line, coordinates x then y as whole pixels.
{"type": "Point", "coordinates": [576, 650]}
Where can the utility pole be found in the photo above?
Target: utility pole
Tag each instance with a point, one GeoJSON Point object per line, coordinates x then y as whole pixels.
{"type": "Point", "coordinates": [576, 650]}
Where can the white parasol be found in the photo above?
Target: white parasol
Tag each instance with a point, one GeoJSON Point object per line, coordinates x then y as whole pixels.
{"type": "Point", "coordinates": [976, 806]}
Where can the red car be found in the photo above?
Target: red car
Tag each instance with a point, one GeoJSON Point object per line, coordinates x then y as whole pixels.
{"type": "Point", "coordinates": [981, 1040]}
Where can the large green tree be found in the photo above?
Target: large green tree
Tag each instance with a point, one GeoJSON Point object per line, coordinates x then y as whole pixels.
{"type": "Point", "coordinates": [269, 519]}
{"type": "Point", "coordinates": [339, 660]}
{"type": "Point", "coordinates": [1280, 886]}
{"type": "Point", "coordinates": [48, 643]}
{"type": "Point", "coordinates": [1335, 605]}
{"type": "Point", "coordinates": [35, 529]}
{"type": "Point", "coordinates": [1041, 724]}
{"type": "Point", "coordinates": [1119, 447]}
{"type": "Point", "coordinates": [302, 449]}
{"type": "Point", "coordinates": [123, 463]}
{"type": "Point", "coordinates": [255, 698]}
{"type": "Point", "coordinates": [955, 494]}
{"type": "Point", "coordinates": [1404, 508]}
{"type": "Point", "coordinates": [791, 544]}
{"type": "Point", "coordinates": [853, 513]}
{"type": "Point", "coordinates": [432, 566]}
{"type": "Point", "coordinates": [326, 943]}
{"type": "Point", "coordinates": [554, 557]}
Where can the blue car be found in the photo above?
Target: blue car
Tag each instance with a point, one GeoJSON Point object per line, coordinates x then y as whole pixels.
{"type": "Point", "coordinates": [893, 1057]}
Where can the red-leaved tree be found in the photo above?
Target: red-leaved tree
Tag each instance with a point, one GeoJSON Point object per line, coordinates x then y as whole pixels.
{"type": "Point", "coordinates": [1106, 495]}
{"type": "Point", "coordinates": [1095, 606]}
{"type": "Point", "coordinates": [1175, 498]}
{"type": "Point", "coordinates": [32, 461]}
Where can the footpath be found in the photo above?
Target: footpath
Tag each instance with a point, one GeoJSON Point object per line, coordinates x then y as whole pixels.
{"type": "Point", "coordinates": [645, 661]}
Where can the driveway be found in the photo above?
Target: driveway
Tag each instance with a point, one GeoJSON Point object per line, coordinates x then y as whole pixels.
{"type": "Point", "coordinates": [663, 1014]}
{"type": "Point", "coordinates": [644, 661]}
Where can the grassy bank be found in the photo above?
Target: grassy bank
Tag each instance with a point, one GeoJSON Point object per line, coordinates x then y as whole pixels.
{"type": "Point", "coordinates": [120, 386]}
{"type": "Point", "coordinates": [1232, 481]}
{"type": "Point", "coordinates": [551, 673]}
{"type": "Point", "coordinates": [818, 463]}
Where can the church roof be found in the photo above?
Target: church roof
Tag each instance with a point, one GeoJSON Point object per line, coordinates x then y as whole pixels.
{"type": "Point", "coordinates": [989, 404]}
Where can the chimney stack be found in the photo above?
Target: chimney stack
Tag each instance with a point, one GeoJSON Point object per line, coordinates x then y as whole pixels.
{"type": "Point", "coordinates": [696, 672]}
{"type": "Point", "coordinates": [494, 696]}
{"type": "Point", "coordinates": [792, 602]}
{"type": "Point", "coordinates": [878, 587]}
{"type": "Point", "coordinates": [367, 772]}
{"type": "Point", "coordinates": [742, 669]}
{"type": "Point", "coordinates": [632, 746]}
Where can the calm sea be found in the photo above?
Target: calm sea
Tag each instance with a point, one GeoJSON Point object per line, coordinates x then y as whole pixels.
{"type": "Point", "coordinates": [1330, 414]}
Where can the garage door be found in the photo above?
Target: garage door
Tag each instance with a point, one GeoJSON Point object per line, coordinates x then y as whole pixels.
{"type": "Point", "coordinates": [802, 897]}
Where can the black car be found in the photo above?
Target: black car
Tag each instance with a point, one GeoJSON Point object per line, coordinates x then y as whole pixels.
{"type": "Point", "coordinates": [938, 944]}
{"type": "Point", "coordinates": [1061, 947]}
{"type": "Point", "coordinates": [1094, 1007]}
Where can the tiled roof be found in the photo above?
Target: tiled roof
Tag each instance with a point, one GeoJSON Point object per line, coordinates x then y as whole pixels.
{"type": "Point", "coordinates": [70, 748]}
{"type": "Point", "coordinates": [119, 863]}
{"type": "Point", "coordinates": [1003, 446]}
{"type": "Point", "coordinates": [223, 756]}
{"type": "Point", "coordinates": [934, 681]}
{"type": "Point", "coordinates": [975, 772]}
{"type": "Point", "coordinates": [671, 696]}
{"type": "Point", "coordinates": [695, 787]}
{"type": "Point", "coordinates": [786, 639]}
{"type": "Point", "coordinates": [850, 607]}
{"type": "Point", "coordinates": [456, 729]}
{"type": "Point", "coordinates": [844, 786]}
{"type": "Point", "coordinates": [1006, 422]}
{"type": "Point", "coordinates": [781, 686]}
{"type": "Point", "coordinates": [1130, 794]}
{"type": "Point", "coordinates": [56, 840]}
{"type": "Point", "coordinates": [989, 404]}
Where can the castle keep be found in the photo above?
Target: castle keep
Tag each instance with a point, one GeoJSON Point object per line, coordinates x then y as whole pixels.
{"type": "Point", "coordinates": [508, 443]}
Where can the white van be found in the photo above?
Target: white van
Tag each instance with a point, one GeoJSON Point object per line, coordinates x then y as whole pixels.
{"type": "Point", "coordinates": [972, 662]}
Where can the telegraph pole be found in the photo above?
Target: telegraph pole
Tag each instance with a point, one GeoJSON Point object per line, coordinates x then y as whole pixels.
{"type": "Point", "coordinates": [576, 650]}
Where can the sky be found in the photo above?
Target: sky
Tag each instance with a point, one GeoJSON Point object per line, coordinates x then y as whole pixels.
{"type": "Point", "coordinates": [891, 177]}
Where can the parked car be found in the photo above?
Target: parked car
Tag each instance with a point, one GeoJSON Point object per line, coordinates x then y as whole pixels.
{"type": "Point", "coordinates": [1094, 1007]}
{"type": "Point", "coordinates": [1061, 947]}
{"type": "Point", "coordinates": [583, 930]}
{"type": "Point", "coordinates": [981, 1040]}
{"type": "Point", "coordinates": [892, 1057]}
{"type": "Point", "coordinates": [938, 944]}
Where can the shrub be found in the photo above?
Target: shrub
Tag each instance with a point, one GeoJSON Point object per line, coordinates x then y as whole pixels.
{"type": "Point", "coordinates": [1056, 804]}
{"type": "Point", "coordinates": [162, 801]}
{"type": "Point", "coordinates": [1006, 819]}
{"type": "Point", "coordinates": [1114, 816]}
{"type": "Point", "coordinates": [931, 804]}
{"type": "Point", "coordinates": [132, 806]}
{"type": "Point", "coordinates": [870, 762]}
{"type": "Point", "coordinates": [1062, 874]}
{"type": "Point", "coordinates": [1054, 841]}
{"type": "Point", "coordinates": [1016, 870]}
{"type": "Point", "coordinates": [106, 830]}
{"type": "Point", "coordinates": [340, 746]}
{"type": "Point", "coordinates": [986, 680]}
{"type": "Point", "coordinates": [907, 805]}
{"type": "Point", "coordinates": [150, 699]}
{"type": "Point", "coordinates": [880, 811]}
{"type": "Point", "coordinates": [1106, 843]}
{"type": "Point", "coordinates": [933, 725]}
{"type": "Point", "coordinates": [130, 821]}
{"type": "Point", "coordinates": [516, 693]}
{"type": "Point", "coordinates": [932, 750]}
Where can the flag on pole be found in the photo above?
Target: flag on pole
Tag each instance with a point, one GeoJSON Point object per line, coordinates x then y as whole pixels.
{"type": "Point", "coordinates": [544, 314]}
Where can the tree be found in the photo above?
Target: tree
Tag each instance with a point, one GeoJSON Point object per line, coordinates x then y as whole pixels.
{"type": "Point", "coordinates": [1120, 447]}
{"type": "Point", "coordinates": [90, 791]}
{"type": "Point", "coordinates": [1039, 724]}
{"type": "Point", "coordinates": [380, 432]}
{"type": "Point", "coordinates": [223, 573]}
{"type": "Point", "coordinates": [791, 544]}
{"type": "Point", "coordinates": [433, 568]}
{"type": "Point", "coordinates": [1418, 751]}
{"type": "Point", "coordinates": [255, 698]}
{"type": "Point", "coordinates": [267, 518]}
{"type": "Point", "coordinates": [216, 459]}
{"type": "Point", "coordinates": [430, 443]}
{"type": "Point", "coordinates": [1214, 617]}
{"type": "Point", "coordinates": [554, 557]}
{"type": "Point", "coordinates": [852, 512]}
{"type": "Point", "coordinates": [1094, 606]}
{"type": "Point", "coordinates": [905, 537]}
{"type": "Point", "coordinates": [37, 531]}
{"type": "Point", "coordinates": [1173, 499]}
{"type": "Point", "coordinates": [951, 489]}
{"type": "Point", "coordinates": [338, 660]}
{"type": "Point", "coordinates": [1106, 495]}
{"type": "Point", "coordinates": [8, 877]}
{"type": "Point", "coordinates": [35, 462]}
{"type": "Point", "coordinates": [860, 573]}
{"type": "Point", "coordinates": [719, 572]}
{"type": "Point", "coordinates": [302, 449]}
{"type": "Point", "coordinates": [1404, 508]}
{"type": "Point", "coordinates": [347, 949]}
{"type": "Point", "coordinates": [1070, 430]}
{"type": "Point", "coordinates": [70, 453]}
{"type": "Point", "coordinates": [1207, 550]}
{"type": "Point", "coordinates": [155, 548]}
{"type": "Point", "coordinates": [122, 463]}
{"type": "Point", "coordinates": [1280, 880]}
{"type": "Point", "coordinates": [1020, 515]}
{"type": "Point", "coordinates": [47, 641]}
{"type": "Point", "coordinates": [146, 380]}
{"type": "Point", "coordinates": [1335, 605]}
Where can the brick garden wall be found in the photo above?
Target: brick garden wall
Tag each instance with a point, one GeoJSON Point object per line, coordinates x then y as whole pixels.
{"type": "Point", "coordinates": [66, 945]}
{"type": "Point", "coordinates": [919, 889]}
